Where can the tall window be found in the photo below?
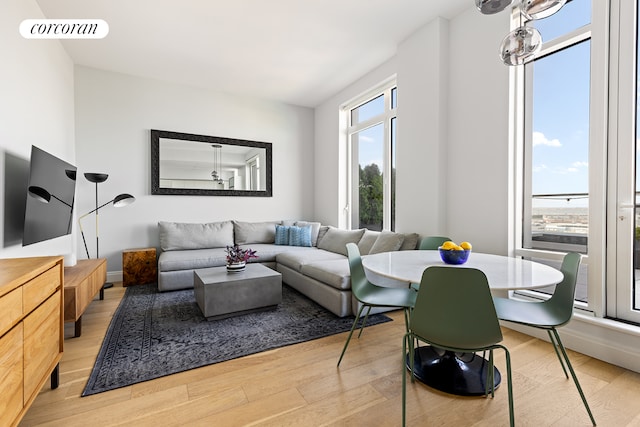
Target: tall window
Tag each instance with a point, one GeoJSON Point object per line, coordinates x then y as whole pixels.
{"type": "Point", "coordinates": [577, 115]}
{"type": "Point", "coordinates": [371, 136]}
{"type": "Point", "coordinates": [556, 135]}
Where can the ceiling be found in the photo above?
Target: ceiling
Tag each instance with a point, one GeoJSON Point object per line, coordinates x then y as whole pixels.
{"type": "Point", "coordinates": [294, 51]}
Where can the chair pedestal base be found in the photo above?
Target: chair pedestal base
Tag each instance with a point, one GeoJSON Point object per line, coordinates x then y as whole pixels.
{"type": "Point", "coordinates": [453, 373]}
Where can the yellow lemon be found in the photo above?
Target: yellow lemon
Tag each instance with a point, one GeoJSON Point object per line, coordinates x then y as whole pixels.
{"type": "Point", "coordinates": [458, 248]}
{"type": "Point", "coordinates": [466, 245]}
{"type": "Point", "coordinates": [448, 245]}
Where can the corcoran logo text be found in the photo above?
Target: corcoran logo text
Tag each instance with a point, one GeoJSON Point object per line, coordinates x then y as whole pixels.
{"type": "Point", "coordinates": [64, 29]}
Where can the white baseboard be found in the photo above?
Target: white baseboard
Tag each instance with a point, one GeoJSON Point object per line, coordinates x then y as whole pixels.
{"type": "Point", "coordinates": [114, 276]}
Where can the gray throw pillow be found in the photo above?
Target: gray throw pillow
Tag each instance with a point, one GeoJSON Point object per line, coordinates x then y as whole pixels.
{"type": "Point", "coordinates": [322, 232]}
{"type": "Point", "coordinates": [410, 242]}
{"type": "Point", "coordinates": [387, 241]}
{"type": "Point", "coordinates": [335, 240]}
{"type": "Point", "coordinates": [255, 232]}
{"type": "Point", "coordinates": [366, 242]}
{"type": "Point", "coordinates": [179, 235]}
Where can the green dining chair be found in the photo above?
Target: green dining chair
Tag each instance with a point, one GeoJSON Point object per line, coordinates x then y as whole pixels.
{"type": "Point", "coordinates": [371, 295]}
{"type": "Point", "coordinates": [549, 315]}
{"type": "Point", "coordinates": [429, 243]}
{"type": "Point", "coordinates": [454, 311]}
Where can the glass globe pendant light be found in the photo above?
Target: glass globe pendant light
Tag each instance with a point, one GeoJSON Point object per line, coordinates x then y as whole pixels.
{"type": "Point", "coordinates": [520, 45]}
{"type": "Point", "coordinates": [539, 9]}
{"type": "Point", "coordinates": [489, 7]}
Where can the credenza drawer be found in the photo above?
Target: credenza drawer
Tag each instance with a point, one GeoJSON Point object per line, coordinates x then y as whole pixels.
{"type": "Point", "coordinates": [41, 343]}
{"type": "Point", "coordinates": [31, 331]}
{"type": "Point", "coordinates": [11, 375]}
{"type": "Point", "coordinates": [39, 289]}
{"type": "Point", "coordinates": [10, 310]}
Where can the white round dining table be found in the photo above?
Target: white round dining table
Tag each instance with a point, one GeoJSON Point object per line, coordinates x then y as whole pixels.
{"type": "Point", "coordinates": [503, 273]}
{"type": "Point", "coordinates": [459, 373]}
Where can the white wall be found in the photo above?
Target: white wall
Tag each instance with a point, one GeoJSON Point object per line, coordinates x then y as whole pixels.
{"type": "Point", "coordinates": [477, 173]}
{"type": "Point", "coordinates": [36, 108]}
{"type": "Point", "coordinates": [114, 113]}
{"type": "Point", "coordinates": [422, 130]}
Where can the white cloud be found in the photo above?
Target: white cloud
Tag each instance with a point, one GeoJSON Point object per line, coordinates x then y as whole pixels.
{"type": "Point", "coordinates": [365, 138]}
{"type": "Point", "coordinates": [580, 164]}
{"type": "Point", "coordinates": [540, 139]}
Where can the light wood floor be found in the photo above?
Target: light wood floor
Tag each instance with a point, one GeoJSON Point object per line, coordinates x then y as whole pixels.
{"type": "Point", "coordinates": [300, 386]}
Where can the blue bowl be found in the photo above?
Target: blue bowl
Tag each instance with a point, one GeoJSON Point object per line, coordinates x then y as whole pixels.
{"type": "Point", "coordinates": [453, 256]}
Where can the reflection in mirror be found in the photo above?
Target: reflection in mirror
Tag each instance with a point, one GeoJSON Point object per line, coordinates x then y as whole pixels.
{"type": "Point", "coordinates": [206, 165]}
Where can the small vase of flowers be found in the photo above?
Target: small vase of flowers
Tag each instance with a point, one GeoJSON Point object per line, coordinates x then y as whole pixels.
{"type": "Point", "coordinates": [237, 258]}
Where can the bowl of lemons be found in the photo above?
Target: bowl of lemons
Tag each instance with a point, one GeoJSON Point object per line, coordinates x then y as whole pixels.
{"type": "Point", "coordinates": [452, 253]}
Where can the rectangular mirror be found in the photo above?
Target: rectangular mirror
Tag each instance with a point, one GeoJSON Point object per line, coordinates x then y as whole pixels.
{"type": "Point", "coordinates": [188, 164]}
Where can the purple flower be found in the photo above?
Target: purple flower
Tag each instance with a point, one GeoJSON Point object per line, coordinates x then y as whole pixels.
{"type": "Point", "coordinates": [237, 254]}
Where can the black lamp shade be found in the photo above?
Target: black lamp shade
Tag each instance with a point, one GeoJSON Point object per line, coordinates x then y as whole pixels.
{"type": "Point", "coordinates": [96, 177]}
{"type": "Point", "coordinates": [39, 193]}
{"type": "Point", "coordinates": [123, 199]}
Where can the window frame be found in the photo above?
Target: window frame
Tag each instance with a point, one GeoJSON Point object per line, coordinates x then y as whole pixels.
{"type": "Point", "coordinates": [521, 135]}
{"type": "Point", "coordinates": [388, 89]}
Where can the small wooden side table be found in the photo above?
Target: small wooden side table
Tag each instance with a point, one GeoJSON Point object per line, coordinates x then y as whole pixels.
{"type": "Point", "coordinates": [139, 266]}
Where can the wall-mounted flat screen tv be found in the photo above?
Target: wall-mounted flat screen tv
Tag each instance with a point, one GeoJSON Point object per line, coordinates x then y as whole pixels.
{"type": "Point", "coordinates": [50, 197]}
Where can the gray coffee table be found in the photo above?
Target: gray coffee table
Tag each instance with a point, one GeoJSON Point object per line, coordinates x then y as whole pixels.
{"type": "Point", "coordinates": [221, 294]}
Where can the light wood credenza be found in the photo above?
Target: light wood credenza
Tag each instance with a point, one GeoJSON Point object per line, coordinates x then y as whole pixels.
{"type": "Point", "coordinates": [31, 331]}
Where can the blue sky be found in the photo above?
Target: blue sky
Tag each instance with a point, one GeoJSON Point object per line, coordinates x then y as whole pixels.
{"type": "Point", "coordinates": [560, 162]}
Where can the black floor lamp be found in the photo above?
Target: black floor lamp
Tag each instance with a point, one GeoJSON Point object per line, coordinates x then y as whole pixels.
{"type": "Point", "coordinates": [119, 201]}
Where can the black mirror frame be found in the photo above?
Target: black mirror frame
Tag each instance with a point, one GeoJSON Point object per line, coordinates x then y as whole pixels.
{"type": "Point", "coordinates": [155, 165]}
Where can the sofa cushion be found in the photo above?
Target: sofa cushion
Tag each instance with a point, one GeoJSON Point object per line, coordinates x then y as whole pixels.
{"type": "Point", "coordinates": [267, 252]}
{"type": "Point", "coordinates": [282, 234]}
{"type": "Point", "coordinates": [410, 242]}
{"type": "Point", "coordinates": [254, 232]}
{"type": "Point", "coordinates": [366, 242]}
{"type": "Point", "coordinates": [387, 241]}
{"type": "Point", "coordinates": [335, 240]}
{"type": "Point", "coordinates": [334, 273]}
{"type": "Point", "coordinates": [300, 236]}
{"type": "Point", "coordinates": [295, 259]}
{"type": "Point", "coordinates": [315, 229]}
{"type": "Point", "coordinates": [192, 259]}
{"type": "Point", "coordinates": [177, 235]}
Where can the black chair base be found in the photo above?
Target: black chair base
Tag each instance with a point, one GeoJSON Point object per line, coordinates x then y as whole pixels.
{"type": "Point", "coordinates": [453, 373]}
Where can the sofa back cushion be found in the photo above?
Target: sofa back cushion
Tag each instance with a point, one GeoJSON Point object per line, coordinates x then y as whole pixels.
{"type": "Point", "coordinates": [255, 232]}
{"type": "Point", "coordinates": [387, 241]}
{"type": "Point", "coordinates": [179, 235]}
{"type": "Point", "coordinates": [366, 242]}
{"type": "Point", "coordinates": [410, 242]}
{"type": "Point", "coordinates": [335, 239]}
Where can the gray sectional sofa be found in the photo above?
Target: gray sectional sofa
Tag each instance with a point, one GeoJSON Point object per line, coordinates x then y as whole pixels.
{"type": "Point", "coordinates": [315, 265]}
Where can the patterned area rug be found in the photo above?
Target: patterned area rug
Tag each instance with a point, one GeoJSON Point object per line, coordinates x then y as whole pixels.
{"type": "Point", "coordinates": [153, 334]}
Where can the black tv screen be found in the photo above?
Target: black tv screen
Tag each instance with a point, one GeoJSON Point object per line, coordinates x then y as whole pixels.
{"type": "Point", "coordinates": [50, 197]}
